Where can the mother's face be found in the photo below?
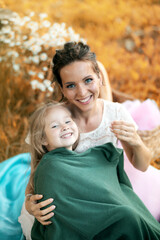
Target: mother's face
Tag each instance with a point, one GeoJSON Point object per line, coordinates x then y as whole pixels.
{"type": "Point", "coordinates": [80, 84]}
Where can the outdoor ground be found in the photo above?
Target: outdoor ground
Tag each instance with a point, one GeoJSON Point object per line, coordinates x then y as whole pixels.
{"type": "Point", "coordinates": [125, 35]}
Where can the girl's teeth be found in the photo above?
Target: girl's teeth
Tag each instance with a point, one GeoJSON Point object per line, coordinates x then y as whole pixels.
{"type": "Point", "coordinates": [66, 135]}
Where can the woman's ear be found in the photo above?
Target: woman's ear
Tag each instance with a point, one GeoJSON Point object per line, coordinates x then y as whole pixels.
{"type": "Point", "coordinates": [100, 80]}
{"type": "Point", "coordinates": [61, 88]}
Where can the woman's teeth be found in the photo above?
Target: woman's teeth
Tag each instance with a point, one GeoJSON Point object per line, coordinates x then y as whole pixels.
{"type": "Point", "coordinates": [85, 100]}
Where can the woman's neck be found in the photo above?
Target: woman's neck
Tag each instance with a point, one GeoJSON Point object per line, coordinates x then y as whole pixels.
{"type": "Point", "coordinates": [89, 120]}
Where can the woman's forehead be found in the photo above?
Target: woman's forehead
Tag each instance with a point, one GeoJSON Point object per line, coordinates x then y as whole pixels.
{"type": "Point", "coordinates": [76, 70]}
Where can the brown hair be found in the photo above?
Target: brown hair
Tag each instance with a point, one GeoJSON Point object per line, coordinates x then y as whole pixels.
{"type": "Point", "coordinates": [70, 53]}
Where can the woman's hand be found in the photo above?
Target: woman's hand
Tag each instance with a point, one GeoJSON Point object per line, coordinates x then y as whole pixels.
{"type": "Point", "coordinates": [126, 132]}
{"type": "Point", "coordinates": [137, 152]}
{"type": "Point", "coordinates": [34, 208]}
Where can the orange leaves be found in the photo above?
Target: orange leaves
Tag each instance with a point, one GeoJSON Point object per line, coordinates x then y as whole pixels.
{"type": "Point", "coordinates": [125, 35]}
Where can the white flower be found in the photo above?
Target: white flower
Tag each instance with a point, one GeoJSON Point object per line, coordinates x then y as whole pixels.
{"type": "Point", "coordinates": [16, 67]}
{"type": "Point", "coordinates": [18, 43]}
{"type": "Point", "coordinates": [47, 83]}
{"type": "Point", "coordinates": [41, 75]}
{"type": "Point", "coordinates": [35, 49]}
{"type": "Point", "coordinates": [74, 37]}
{"type": "Point", "coordinates": [35, 59]}
{"type": "Point", "coordinates": [43, 15]}
{"type": "Point", "coordinates": [50, 89]}
{"type": "Point", "coordinates": [46, 24]}
{"type": "Point", "coordinates": [13, 54]}
{"type": "Point", "coordinates": [45, 69]}
{"type": "Point", "coordinates": [6, 29]}
{"type": "Point", "coordinates": [39, 41]}
{"type": "Point", "coordinates": [1, 59]}
{"type": "Point", "coordinates": [31, 73]}
{"type": "Point", "coordinates": [25, 37]}
{"type": "Point", "coordinates": [45, 37]}
{"type": "Point", "coordinates": [34, 84]}
{"type": "Point", "coordinates": [4, 22]}
{"type": "Point", "coordinates": [33, 26]}
{"type": "Point", "coordinates": [11, 44]}
{"type": "Point", "coordinates": [42, 87]}
{"type": "Point", "coordinates": [31, 14]}
{"type": "Point", "coordinates": [43, 57]}
{"type": "Point", "coordinates": [26, 19]}
{"type": "Point", "coordinates": [83, 40]}
{"type": "Point", "coordinates": [60, 41]}
{"type": "Point", "coordinates": [37, 85]}
{"type": "Point", "coordinates": [7, 41]}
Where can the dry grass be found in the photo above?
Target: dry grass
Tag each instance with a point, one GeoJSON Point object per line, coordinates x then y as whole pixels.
{"type": "Point", "coordinates": [127, 41]}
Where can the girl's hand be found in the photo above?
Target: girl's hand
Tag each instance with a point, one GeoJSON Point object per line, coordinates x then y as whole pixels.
{"type": "Point", "coordinates": [34, 208]}
{"type": "Point", "coordinates": [126, 132]}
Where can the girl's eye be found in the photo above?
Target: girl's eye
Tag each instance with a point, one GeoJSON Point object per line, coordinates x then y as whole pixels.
{"type": "Point", "coordinates": [71, 86]}
{"type": "Point", "coordinates": [68, 121]}
{"type": "Point", "coordinates": [88, 80]}
{"type": "Point", "coordinates": [54, 126]}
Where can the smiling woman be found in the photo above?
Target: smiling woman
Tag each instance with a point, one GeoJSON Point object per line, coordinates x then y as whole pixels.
{"type": "Point", "coordinates": [82, 89]}
{"type": "Point", "coordinates": [76, 71]}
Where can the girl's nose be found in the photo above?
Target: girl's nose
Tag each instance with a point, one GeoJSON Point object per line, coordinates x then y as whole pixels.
{"type": "Point", "coordinates": [65, 127]}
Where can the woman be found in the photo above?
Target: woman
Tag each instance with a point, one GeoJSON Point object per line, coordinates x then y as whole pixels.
{"type": "Point", "coordinates": [77, 73]}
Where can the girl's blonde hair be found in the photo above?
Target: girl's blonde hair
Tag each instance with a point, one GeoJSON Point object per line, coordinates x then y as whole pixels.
{"type": "Point", "coordinates": [36, 137]}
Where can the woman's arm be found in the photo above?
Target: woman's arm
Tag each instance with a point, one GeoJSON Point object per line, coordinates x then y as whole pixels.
{"type": "Point", "coordinates": [136, 151]}
{"type": "Point", "coordinates": [34, 208]}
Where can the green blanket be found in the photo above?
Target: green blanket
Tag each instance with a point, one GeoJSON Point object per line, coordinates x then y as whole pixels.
{"type": "Point", "coordinates": [93, 197]}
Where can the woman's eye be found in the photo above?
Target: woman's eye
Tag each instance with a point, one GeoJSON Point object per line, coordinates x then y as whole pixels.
{"type": "Point", "coordinates": [88, 80]}
{"type": "Point", "coordinates": [70, 86]}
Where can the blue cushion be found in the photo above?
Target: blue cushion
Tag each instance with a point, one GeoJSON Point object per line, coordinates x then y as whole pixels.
{"type": "Point", "coordinates": [14, 175]}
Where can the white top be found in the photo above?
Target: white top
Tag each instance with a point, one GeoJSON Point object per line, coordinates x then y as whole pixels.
{"type": "Point", "coordinates": [102, 134]}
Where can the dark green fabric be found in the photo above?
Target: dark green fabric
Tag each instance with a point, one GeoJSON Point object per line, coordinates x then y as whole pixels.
{"type": "Point", "coordinates": [93, 197]}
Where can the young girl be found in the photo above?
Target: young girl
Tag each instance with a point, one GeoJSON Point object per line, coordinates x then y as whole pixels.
{"type": "Point", "coordinates": [93, 195]}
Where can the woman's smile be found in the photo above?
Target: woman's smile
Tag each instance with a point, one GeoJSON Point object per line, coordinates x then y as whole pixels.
{"type": "Point", "coordinates": [81, 85]}
{"type": "Point", "coordinates": [85, 100]}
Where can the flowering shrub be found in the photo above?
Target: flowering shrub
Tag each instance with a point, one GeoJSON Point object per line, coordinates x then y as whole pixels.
{"type": "Point", "coordinates": [27, 46]}
{"type": "Point", "coordinates": [29, 42]}
{"type": "Point", "coordinates": [125, 36]}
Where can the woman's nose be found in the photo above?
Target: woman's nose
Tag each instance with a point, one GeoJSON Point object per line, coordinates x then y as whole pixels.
{"type": "Point", "coordinates": [81, 91]}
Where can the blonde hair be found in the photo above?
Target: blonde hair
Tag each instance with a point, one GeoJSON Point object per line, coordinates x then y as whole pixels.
{"type": "Point", "coordinates": [36, 137]}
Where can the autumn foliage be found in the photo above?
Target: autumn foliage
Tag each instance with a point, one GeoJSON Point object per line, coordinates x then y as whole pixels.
{"type": "Point", "coordinates": [125, 35]}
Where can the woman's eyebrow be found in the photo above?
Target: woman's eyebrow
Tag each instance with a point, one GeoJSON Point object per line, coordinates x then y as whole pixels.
{"type": "Point", "coordinates": [82, 80]}
{"type": "Point", "coordinates": [68, 83]}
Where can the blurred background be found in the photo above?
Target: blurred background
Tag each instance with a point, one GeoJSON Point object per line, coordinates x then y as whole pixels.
{"type": "Point", "coordinates": [125, 35]}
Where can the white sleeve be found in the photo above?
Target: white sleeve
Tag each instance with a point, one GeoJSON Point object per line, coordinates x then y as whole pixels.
{"type": "Point", "coordinates": [26, 220]}
{"type": "Point", "coordinates": [124, 115]}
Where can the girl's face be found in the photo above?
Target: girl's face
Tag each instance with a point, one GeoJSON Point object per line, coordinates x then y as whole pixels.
{"type": "Point", "coordinates": [81, 84]}
{"type": "Point", "coordinates": [60, 130]}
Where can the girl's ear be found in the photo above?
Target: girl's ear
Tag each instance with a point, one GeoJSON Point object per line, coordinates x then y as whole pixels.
{"type": "Point", "coordinates": [44, 141]}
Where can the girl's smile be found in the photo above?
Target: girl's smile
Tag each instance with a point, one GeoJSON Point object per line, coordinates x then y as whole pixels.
{"type": "Point", "coordinates": [60, 130]}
